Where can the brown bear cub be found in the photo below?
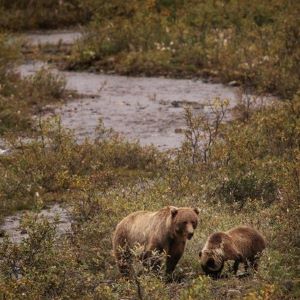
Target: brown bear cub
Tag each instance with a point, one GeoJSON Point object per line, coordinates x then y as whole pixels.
{"type": "Point", "coordinates": [163, 231]}
{"type": "Point", "coordinates": [241, 244]}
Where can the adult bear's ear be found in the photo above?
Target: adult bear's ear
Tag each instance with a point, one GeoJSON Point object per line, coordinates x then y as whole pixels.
{"type": "Point", "coordinates": [196, 210]}
{"type": "Point", "coordinates": [174, 211]}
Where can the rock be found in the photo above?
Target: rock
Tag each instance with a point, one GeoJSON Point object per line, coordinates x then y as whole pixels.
{"type": "Point", "coordinates": [179, 130]}
{"type": "Point", "coordinates": [175, 103]}
{"type": "Point", "coordinates": [234, 83]}
{"type": "Point", "coordinates": [23, 231]}
{"type": "Point", "coordinates": [182, 103]}
{"type": "Point", "coordinates": [111, 59]}
{"type": "Point", "coordinates": [3, 151]}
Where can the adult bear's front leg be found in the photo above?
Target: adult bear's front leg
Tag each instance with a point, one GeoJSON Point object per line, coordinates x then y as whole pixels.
{"type": "Point", "coordinates": [174, 254]}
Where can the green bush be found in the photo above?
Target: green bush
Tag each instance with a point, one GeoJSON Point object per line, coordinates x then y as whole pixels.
{"type": "Point", "coordinates": [9, 53]}
{"type": "Point", "coordinates": [51, 85]}
{"type": "Point", "coordinates": [53, 162]}
{"type": "Point", "coordinates": [42, 266]}
{"type": "Point", "coordinates": [249, 186]}
{"type": "Point", "coordinates": [20, 98]}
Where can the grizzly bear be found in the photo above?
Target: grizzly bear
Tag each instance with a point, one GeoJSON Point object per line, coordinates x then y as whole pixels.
{"type": "Point", "coordinates": [164, 231]}
{"type": "Point", "coordinates": [241, 244]}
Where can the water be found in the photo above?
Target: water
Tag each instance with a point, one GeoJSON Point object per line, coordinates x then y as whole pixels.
{"type": "Point", "coordinates": [11, 224]}
{"type": "Point", "coordinates": [140, 108]}
{"type": "Point", "coordinates": [52, 37]}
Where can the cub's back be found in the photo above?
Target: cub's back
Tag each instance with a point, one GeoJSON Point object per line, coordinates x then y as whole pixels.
{"type": "Point", "coordinates": [248, 240]}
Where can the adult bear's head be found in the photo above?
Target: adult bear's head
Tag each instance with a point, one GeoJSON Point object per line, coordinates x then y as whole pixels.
{"type": "Point", "coordinates": [184, 221]}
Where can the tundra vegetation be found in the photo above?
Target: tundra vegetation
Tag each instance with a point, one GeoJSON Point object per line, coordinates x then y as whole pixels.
{"type": "Point", "coordinates": [21, 15]}
{"type": "Point", "coordinates": [246, 171]}
{"type": "Point", "coordinates": [255, 43]}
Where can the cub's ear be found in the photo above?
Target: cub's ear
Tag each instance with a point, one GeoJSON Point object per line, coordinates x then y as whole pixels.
{"type": "Point", "coordinates": [196, 210]}
{"type": "Point", "coordinates": [200, 254]}
{"type": "Point", "coordinates": [174, 211]}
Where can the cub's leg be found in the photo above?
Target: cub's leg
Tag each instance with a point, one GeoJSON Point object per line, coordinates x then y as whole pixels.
{"type": "Point", "coordinates": [254, 263]}
{"type": "Point", "coordinates": [239, 259]}
{"type": "Point", "coordinates": [235, 266]}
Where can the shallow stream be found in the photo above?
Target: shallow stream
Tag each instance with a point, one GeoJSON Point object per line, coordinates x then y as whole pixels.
{"type": "Point", "coordinates": [148, 109]}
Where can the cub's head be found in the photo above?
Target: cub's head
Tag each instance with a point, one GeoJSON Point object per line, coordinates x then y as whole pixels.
{"type": "Point", "coordinates": [212, 261]}
{"type": "Point", "coordinates": [212, 256]}
{"type": "Point", "coordinates": [184, 221]}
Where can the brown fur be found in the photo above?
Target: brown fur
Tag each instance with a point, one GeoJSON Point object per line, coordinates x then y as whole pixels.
{"type": "Point", "coordinates": [165, 230]}
{"type": "Point", "coordinates": [241, 244]}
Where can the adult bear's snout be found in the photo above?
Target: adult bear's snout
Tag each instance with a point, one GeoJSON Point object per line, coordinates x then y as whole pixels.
{"type": "Point", "coordinates": [190, 235]}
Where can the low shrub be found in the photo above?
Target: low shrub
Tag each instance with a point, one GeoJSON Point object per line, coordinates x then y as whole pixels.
{"type": "Point", "coordinates": [21, 98]}
{"type": "Point", "coordinates": [42, 14]}
{"type": "Point", "coordinates": [241, 188]}
{"type": "Point", "coordinates": [51, 87]}
{"type": "Point", "coordinates": [256, 159]}
{"type": "Point", "coordinates": [42, 266]}
{"type": "Point", "coordinates": [9, 53]}
{"type": "Point", "coordinates": [53, 162]}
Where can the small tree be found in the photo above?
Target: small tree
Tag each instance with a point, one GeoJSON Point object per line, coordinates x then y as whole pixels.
{"type": "Point", "coordinates": [203, 130]}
